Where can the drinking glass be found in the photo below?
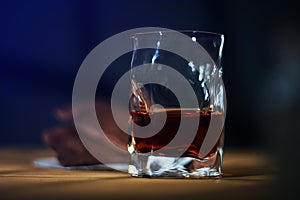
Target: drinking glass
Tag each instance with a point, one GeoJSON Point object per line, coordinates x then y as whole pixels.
{"type": "Point", "coordinates": [177, 105]}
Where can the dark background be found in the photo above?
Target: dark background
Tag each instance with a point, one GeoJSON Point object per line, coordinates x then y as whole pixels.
{"type": "Point", "coordinates": [43, 43]}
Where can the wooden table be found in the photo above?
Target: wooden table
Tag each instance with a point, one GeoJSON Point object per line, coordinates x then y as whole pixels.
{"type": "Point", "coordinates": [245, 177]}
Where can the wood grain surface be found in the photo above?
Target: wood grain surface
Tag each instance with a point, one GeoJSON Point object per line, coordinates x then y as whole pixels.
{"type": "Point", "coordinates": [247, 175]}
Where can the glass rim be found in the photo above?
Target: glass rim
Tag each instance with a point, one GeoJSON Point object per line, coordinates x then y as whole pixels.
{"type": "Point", "coordinates": [184, 31]}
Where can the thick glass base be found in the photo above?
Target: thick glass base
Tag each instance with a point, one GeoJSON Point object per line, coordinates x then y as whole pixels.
{"type": "Point", "coordinates": [148, 165]}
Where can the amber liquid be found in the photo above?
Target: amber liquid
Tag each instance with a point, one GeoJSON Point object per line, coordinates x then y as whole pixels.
{"type": "Point", "coordinates": [170, 128]}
